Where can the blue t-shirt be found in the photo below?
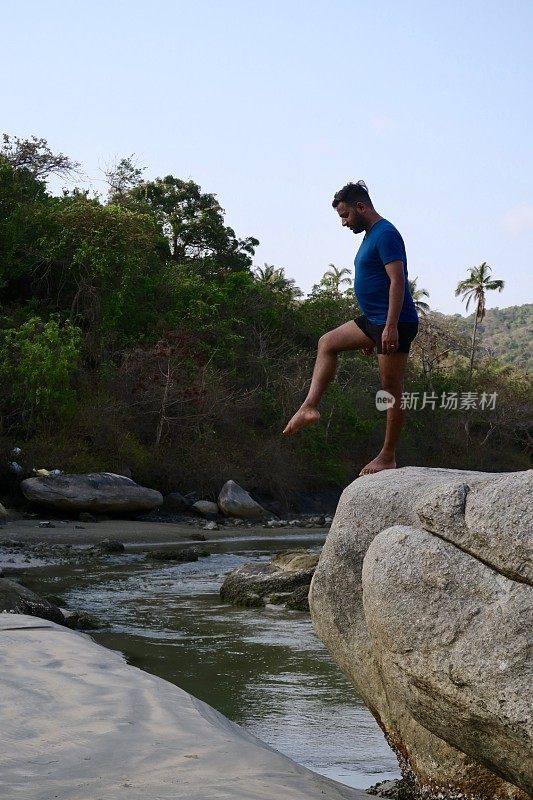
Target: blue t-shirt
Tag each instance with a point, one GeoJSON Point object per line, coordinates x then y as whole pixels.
{"type": "Point", "coordinates": [381, 245]}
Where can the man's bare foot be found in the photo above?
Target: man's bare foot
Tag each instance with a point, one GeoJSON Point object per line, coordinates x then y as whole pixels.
{"type": "Point", "coordinates": [380, 462]}
{"type": "Point", "coordinates": [305, 415]}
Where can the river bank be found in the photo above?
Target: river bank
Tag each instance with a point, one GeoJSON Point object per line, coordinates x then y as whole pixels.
{"type": "Point", "coordinates": [131, 532]}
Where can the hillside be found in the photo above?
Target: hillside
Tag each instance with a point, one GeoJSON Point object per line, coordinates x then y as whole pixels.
{"type": "Point", "coordinates": [506, 333]}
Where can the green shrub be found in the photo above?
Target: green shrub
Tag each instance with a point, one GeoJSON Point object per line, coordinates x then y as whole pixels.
{"type": "Point", "coordinates": [37, 361]}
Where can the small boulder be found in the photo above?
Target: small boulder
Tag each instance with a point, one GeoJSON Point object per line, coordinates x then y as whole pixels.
{"type": "Point", "coordinates": [211, 525]}
{"type": "Point", "coordinates": [205, 507]}
{"type": "Point", "coordinates": [80, 621]}
{"type": "Point", "coordinates": [234, 501]}
{"type": "Point", "coordinates": [295, 561]}
{"type": "Point", "coordinates": [16, 599]}
{"type": "Point", "coordinates": [180, 555]}
{"type": "Point", "coordinates": [3, 513]}
{"type": "Point", "coordinates": [389, 789]}
{"type": "Point", "coordinates": [283, 575]}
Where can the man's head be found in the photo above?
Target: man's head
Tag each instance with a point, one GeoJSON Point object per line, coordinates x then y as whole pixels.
{"type": "Point", "coordinates": [354, 206]}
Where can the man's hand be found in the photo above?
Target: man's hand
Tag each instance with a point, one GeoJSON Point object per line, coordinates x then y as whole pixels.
{"type": "Point", "coordinates": [389, 339]}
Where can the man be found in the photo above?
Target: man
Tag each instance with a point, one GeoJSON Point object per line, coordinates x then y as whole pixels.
{"type": "Point", "coordinates": [388, 325]}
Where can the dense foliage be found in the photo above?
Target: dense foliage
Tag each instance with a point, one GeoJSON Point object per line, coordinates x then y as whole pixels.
{"type": "Point", "coordinates": [506, 333]}
{"type": "Point", "coordinates": [135, 332]}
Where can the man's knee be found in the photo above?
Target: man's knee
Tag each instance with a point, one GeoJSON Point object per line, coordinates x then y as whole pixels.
{"type": "Point", "coordinates": [326, 343]}
{"type": "Point", "coordinates": [393, 386]}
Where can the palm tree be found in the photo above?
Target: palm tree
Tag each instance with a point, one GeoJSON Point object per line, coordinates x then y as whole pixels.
{"type": "Point", "coordinates": [417, 295]}
{"type": "Point", "coordinates": [334, 277]}
{"type": "Point", "coordinates": [474, 288]}
{"type": "Point", "coordinates": [274, 278]}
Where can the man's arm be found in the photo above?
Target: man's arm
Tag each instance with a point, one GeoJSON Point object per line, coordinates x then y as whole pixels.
{"type": "Point", "coordinates": [389, 338]}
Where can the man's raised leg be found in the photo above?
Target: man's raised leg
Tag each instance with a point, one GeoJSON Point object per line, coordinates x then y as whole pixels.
{"type": "Point", "coordinates": [391, 371]}
{"type": "Point", "coordinates": [346, 337]}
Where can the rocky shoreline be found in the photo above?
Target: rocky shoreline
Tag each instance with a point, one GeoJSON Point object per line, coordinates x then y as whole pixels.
{"type": "Point", "coordinates": [30, 541]}
{"type": "Point", "coordinates": [423, 571]}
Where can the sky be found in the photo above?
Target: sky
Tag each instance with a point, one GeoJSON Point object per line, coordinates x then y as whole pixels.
{"type": "Point", "coordinates": [274, 106]}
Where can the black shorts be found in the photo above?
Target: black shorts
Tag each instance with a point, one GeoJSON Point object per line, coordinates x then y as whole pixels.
{"type": "Point", "coordinates": [406, 333]}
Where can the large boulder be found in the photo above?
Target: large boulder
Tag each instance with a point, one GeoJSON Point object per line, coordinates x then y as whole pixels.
{"type": "Point", "coordinates": [97, 491]}
{"type": "Point", "coordinates": [235, 501]}
{"type": "Point", "coordinates": [16, 599]}
{"type": "Point", "coordinates": [284, 579]}
{"type": "Point", "coordinates": [423, 596]}
{"type": "Point", "coordinates": [453, 641]}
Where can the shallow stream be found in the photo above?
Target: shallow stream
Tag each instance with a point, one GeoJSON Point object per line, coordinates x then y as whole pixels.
{"type": "Point", "coordinates": [263, 668]}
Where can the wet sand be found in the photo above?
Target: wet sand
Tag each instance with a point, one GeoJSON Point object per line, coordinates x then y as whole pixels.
{"type": "Point", "coordinates": [133, 532]}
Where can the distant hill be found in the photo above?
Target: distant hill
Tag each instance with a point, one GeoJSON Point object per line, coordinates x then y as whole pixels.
{"type": "Point", "coordinates": [506, 333]}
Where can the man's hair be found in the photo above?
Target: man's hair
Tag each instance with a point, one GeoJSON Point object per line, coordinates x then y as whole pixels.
{"type": "Point", "coordinates": [353, 193]}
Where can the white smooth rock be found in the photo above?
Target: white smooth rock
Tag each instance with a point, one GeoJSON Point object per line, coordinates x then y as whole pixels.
{"type": "Point", "coordinates": [78, 723]}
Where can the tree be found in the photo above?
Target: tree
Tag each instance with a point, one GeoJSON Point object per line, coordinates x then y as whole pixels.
{"type": "Point", "coordinates": [437, 342]}
{"type": "Point", "coordinates": [193, 222]}
{"type": "Point", "coordinates": [122, 177]}
{"type": "Point", "coordinates": [37, 361]}
{"type": "Point", "coordinates": [21, 194]}
{"type": "Point", "coordinates": [474, 288]}
{"type": "Point", "coordinates": [103, 265]}
{"type": "Point", "coordinates": [417, 295]}
{"type": "Point", "coordinates": [334, 278]}
{"type": "Point", "coordinates": [274, 278]}
{"type": "Point", "coordinates": [35, 156]}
